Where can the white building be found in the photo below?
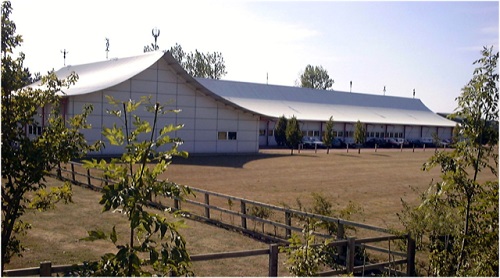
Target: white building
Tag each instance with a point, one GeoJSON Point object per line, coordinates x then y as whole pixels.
{"type": "Point", "coordinates": [236, 117]}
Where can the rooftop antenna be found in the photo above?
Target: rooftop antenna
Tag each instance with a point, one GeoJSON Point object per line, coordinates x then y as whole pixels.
{"type": "Point", "coordinates": [351, 87]}
{"type": "Point", "coordinates": [64, 52]}
{"type": "Point", "coordinates": [156, 33]}
{"type": "Point", "coordinates": [107, 48]}
{"type": "Point", "coordinates": [384, 90]}
{"type": "Point", "coordinates": [413, 93]}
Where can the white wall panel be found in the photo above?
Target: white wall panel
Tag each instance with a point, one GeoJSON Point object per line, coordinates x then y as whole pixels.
{"type": "Point", "coordinates": [184, 100]}
{"type": "Point", "coordinates": [140, 86]}
{"type": "Point", "coordinates": [227, 113]}
{"type": "Point", "coordinates": [205, 135]}
{"type": "Point", "coordinates": [205, 101]}
{"type": "Point", "coordinates": [205, 147]}
{"type": "Point", "coordinates": [186, 112]}
{"type": "Point", "coordinates": [210, 113]}
{"type": "Point", "coordinates": [247, 135]}
{"type": "Point", "coordinates": [124, 86]}
{"type": "Point", "coordinates": [165, 88]}
{"type": "Point", "coordinates": [149, 74]}
{"type": "Point", "coordinates": [248, 125]}
{"type": "Point", "coordinates": [184, 89]}
{"type": "Point", "coordinates": [206, 124]}
{"type": "Point", "coordinates": [227, 125]}
{"type": "Point", "coordinates": [227, 146]}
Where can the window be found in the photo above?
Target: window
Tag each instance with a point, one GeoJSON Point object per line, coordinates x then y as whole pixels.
{"type": "Point", "coordinates": [231, 135]}
{"type": "Point", "coordinates": [34, 130]}
{"type": "Point", "coordinates": [226, 135]}
{"type": "Point", "coordinates": [271, 133]}
{"type": "Point", "coordinates": [222, 135]}
{"type": "Point", "coordinates": [316, 133]}
{"type": "Point", "coordinates": [262, 132]}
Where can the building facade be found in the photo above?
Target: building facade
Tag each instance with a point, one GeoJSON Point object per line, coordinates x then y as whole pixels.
{"type": "Point", "coordinates": [232, 117]}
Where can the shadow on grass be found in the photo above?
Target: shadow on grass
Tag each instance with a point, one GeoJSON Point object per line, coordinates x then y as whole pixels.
{"type": "Point", "coordinates": [224, 160]}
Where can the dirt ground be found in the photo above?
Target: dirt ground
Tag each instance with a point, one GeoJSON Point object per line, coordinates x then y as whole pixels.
{"type": "Point", "coordinates": [376, 181]}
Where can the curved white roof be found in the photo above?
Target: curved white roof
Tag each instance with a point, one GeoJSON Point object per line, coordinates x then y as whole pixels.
{"type": "Point", "coordinates": [266, 100]}
{"type": "Point", "coordinates": [318, 105]}
{"type": "Point", "coordinates": [101, 75]}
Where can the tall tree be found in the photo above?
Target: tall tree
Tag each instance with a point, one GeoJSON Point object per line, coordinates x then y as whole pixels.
{"type": "Point", "coordinates": [316, 77]}
{"type": "Point", "coordinates": [293, 133]}
{"type": "Point", "coordinates": [198, 64]}
{"type": "Point", "coordinates": [457, 219]}
{"type": "Point", "coordinates": [328, 137]}
{"type": "Point", "coordinates": [359, 135]}
{"type": "Point", "coordinates": [27, 161]}
{"type": "Point", "coordinates": [280, 131]}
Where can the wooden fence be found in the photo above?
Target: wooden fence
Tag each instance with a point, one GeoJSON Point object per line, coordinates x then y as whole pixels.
{"type": "Point", "coordinates": [224, 210]}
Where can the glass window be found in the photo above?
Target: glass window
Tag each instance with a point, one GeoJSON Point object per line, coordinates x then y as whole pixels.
{"type": "Point", "coordinates": [271, 132]}
{"type": "Point", "coordinates": [262, 132]}
{"type": "Point", "coordinates": [222, 135]}
{"type": "Point", "coordinates": [231, 135]}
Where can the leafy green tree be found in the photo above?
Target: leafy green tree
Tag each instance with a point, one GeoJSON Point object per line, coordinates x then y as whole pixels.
{"type": "Point", "coordinates": [359, 135]}
{"type": "Point", "coordinates": [27, 161]}
{"type": "Point", "coordinates": [305, 255]}
{"type": "Point", "coordinates": [198, 64]}
{"type": "Point", "coordinates": [457, 220]}
{"type": "Point", "coordinates": [134, 182]}
{"type": "Point", "coordinates": [293, 133]}
{"type": "Point", "coordinates": [316, 77]}
{"type": "Point", "coordinates": [328, 137]}
{"type": "Point", "coordinates": [280, 131]}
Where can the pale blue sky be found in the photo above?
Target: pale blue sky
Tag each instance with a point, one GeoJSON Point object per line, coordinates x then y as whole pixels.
{"type": "Point", "coordinates": [426, 46]}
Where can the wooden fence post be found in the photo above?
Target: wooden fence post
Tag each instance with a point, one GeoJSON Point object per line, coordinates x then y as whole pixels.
{"type": "Point", "coordinates": [350, 254]}
{"type": "Point", "coordinates": [73, 172]}
{"type": "Point", "coordinates": [410, 256]}
{"type": "Point", "coordinates": [207, 202]}
{"type": "Point", "coordinates": [176, 204]}
{"type": "Point", "coordinates": [45, 269]}
{"type": "Point", "coordinates": [341, 250]}
{"type": "Point", "coordinates": [288, 222]}
{"type": "Point", "coordinates": [273, 260]}
{"type": "Point", "coordinates": [243, 212]}
{"type": "Point", "coordinates": [59, 174]}
{"type": "Point", "coordinates": [88, 178]}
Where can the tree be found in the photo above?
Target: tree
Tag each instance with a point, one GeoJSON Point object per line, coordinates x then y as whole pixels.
{"type": "Point", "coordinates": [293, 133]}
{"type": "Point", "coordinates": [27, 161]}
{"type": "Point", "coordinates": [316, 77]}
{"type": "Point", "coordinates": [133, 184]}
{"type": "Point", "coordinates": [457, 219]}
{"type": "Point", "coordinates": [359, 135]}
{"type": "Point", "coordinates": [280, 131]}
{"type": "Point", "coordinates": [198, 64]}
{"type": "Point", "coordinates": [328, 137]}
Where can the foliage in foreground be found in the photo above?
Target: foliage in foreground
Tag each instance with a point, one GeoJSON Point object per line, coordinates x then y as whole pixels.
{"type": "Point", "coordinates": [456, 222]}
{"type": "Point", "coordinates": [306, 255]}
{"type": "Point", "coordinates": [133, 183]}
{"type": "Point", "coordinates": [28, 159]}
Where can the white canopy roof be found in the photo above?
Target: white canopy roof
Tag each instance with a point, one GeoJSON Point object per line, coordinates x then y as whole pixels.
{"type": "Point", "coordinates": [266, 100]}
{"type": "Point", "coordinates": [318, 105]}
{"type": "Point", "coordinates": [98, 76]}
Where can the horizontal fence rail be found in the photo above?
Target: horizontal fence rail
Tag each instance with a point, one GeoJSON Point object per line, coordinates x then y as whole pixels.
{"type": "Point", "coordinates": [240, 213]}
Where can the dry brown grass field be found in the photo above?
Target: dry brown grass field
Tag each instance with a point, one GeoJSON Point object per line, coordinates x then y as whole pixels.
{"type": "Point", "coordinates": [376, 181]}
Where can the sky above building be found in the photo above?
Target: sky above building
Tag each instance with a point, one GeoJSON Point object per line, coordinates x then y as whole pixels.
{"type": "Point", "coordinates": [428, 47]}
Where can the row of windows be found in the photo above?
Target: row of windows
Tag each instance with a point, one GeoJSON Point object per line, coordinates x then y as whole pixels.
{"type": "Point", "coordinates": [226, 135]}
{"type": "Point", "coordinates": [34, 130]}
{"type": "Point", "coordinates": [315, 133]}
